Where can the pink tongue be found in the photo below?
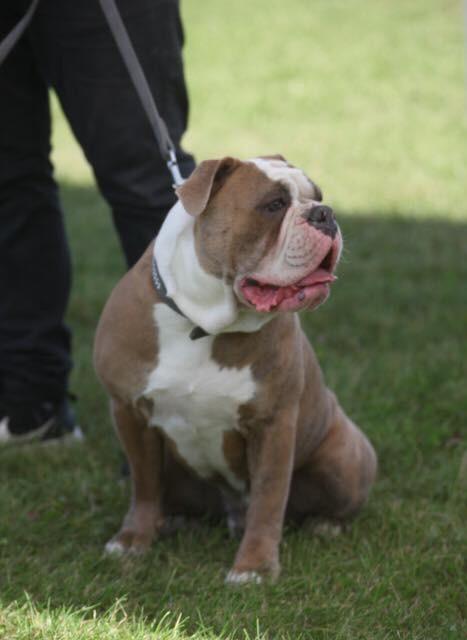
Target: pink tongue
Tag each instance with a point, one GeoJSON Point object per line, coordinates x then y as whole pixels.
{"type": "Point", "coordinates": [320, 275]}
{"type": "Point", "coordinates": [266, 297]}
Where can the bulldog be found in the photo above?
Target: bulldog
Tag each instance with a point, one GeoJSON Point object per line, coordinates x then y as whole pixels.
{"type": "Point", "coordinates": [216, 393]}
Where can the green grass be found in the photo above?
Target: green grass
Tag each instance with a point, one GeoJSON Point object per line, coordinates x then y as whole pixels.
{"type": "Point", "coordinates": [369, 98]}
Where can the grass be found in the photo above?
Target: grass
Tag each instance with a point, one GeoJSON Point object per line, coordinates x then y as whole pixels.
{"type": "Point", "coordinates": [369, 98]}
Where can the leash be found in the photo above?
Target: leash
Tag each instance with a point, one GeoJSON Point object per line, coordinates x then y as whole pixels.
{"type": "Point", "coordinates": [136, 73]}
{"type": "Point", "coordinates": [133, 65]}
{"type": "Point", "coordinates": [159, 128]}
{"type": "Point", "coordinates": [166, 146]}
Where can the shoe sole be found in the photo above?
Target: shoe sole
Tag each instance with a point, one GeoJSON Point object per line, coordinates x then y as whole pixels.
{"type": "Point", "coordinates": [38, 436]}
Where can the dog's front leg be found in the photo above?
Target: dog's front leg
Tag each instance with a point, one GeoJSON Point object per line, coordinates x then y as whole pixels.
{"type": "Point", "coordinates": [270, 461]}
{"type": "Point", "coordinates": [143, 447]}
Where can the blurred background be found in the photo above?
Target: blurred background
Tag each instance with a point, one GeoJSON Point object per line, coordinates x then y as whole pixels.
{"type": "Point", "coordinates": [369, 97]}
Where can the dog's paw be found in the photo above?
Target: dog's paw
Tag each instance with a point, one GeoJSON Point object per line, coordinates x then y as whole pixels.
{"type": "Point", "coordinates": [114, 548]}
{"type": "Point", "coordinates": [243, 577]}
{"type": "Point", "coordinates": [253, 573]}
{"type": "Point", "coordinates": [323, 528]}
{"type": "Point", "coordinates": [128, 543]}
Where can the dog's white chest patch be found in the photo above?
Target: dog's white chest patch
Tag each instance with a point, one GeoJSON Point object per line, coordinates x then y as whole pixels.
{"type": "Point", "coordinates": [195, 401]}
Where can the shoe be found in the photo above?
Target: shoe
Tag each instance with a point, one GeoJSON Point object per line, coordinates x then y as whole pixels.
{"type": "Point", "coordinates": [46, 423]}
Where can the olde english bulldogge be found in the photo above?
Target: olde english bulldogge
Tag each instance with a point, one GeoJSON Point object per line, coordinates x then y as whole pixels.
{"type": "Point", "coordinates": [216, 393]}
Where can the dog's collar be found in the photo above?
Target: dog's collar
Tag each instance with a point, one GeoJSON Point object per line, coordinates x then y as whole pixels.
{"type": "Point", "coordinates": [159, 285]}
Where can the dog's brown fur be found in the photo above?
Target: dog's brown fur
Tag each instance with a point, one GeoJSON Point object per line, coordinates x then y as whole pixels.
{"type": "Point", "coordinates": [294, 446]}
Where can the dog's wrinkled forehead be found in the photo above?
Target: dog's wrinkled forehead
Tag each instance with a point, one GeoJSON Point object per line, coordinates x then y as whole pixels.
{"type": "Point", "coordinates": [298, 183]}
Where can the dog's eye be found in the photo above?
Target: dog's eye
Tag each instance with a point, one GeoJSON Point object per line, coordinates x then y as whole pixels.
{"type": "Point", "coordinates": [276, 205]}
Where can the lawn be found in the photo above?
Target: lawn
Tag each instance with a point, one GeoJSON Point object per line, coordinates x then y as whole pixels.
{"type": "Point", "coordinates": [369, 98]}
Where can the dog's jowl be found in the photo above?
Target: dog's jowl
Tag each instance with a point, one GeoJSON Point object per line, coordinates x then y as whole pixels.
{"type": "Point", "coordinates": [216, 393]}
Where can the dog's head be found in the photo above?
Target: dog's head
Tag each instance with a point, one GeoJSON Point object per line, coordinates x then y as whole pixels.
{"type": "Point", "coordinates": [261, 226]}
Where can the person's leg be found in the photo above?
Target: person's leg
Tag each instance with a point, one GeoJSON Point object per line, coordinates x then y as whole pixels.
{"type": "Point", "coordinates": [103, 108]}
{"type": "Point", "coordinates": [34, 259]}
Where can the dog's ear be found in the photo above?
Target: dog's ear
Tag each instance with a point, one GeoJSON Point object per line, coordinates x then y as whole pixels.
{"type": "Point", "coordinates": [204, 182]}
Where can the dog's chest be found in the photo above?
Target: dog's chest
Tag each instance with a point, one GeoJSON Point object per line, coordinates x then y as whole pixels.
{"type": "Point", "coordinates": [195, 401]}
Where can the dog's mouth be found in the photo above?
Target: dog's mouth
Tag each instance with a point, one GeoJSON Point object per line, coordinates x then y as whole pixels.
{"type": "Point", "coordinates": [306, 293]}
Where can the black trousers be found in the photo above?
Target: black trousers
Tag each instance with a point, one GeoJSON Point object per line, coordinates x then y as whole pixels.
{"type": "Point", "coordinates": [68, 46]}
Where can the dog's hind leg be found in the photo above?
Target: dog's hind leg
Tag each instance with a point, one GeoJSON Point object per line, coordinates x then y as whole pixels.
{"type": "Point", "coordinates": [143, 448]}
{"type": "Point", "coordinates": [335, 481]}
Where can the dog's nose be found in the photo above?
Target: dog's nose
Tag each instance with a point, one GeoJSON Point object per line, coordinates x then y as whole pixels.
{"type": "Point", "coordinates": [322, 218]}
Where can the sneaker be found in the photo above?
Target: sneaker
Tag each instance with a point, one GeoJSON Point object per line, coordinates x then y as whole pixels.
{"type": "Point", "coordinates": [46, 423]}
